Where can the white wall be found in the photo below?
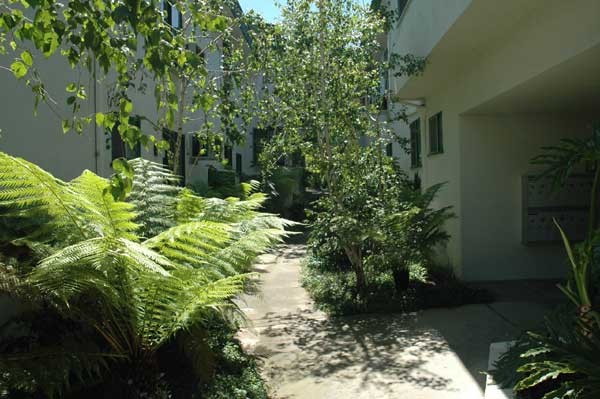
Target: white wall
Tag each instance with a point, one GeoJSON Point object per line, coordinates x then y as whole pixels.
{"type": "Point", "coordinates": [422, 25]}
{"type": "Point", "coordinates": [483, 52]}
{"type": "Point", "coordinates": [40, 138]}
{"type": "Point", "coordinates": [496, 152]}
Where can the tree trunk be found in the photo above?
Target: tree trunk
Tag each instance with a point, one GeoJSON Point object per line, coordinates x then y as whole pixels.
{"type": "Point", "coordinates": [401, 279]}
{"type": "Point", "coordinates": [355, 256]}
{"type": "Point", "coordinates": [179, 129]}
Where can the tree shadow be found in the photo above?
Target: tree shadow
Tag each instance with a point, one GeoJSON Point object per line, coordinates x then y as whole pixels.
{"type": "Point", "coordinates": [378, 350]}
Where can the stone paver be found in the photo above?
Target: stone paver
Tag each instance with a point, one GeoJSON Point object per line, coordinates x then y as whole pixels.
{"type": "Point", "coordinates": [439, 353]}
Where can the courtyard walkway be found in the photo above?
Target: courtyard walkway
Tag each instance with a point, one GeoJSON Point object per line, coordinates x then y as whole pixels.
{"type": "Point", "coordinates": [439, 353]}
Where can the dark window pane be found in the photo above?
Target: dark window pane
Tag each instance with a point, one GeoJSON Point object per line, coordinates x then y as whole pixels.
{"type": "Point", "coordinates": [260, 137]}
{"type": "Point", "coordinates": [436, 145]}
{"type": "Point", "coordinates": [401, 5]}
{"type": "Point", "coordinates": [415, 143]}
{"type": "Point", "coordinates": [120, 149]}
{"type": "Point", "coordinates": [228, 153]}
{"type": "Point", "coordinates": [238, 164]}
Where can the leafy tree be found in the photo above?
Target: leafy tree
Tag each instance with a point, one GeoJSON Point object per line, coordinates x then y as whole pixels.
{"type": "Point", "coordinates": [321, 92]}
{"type": "Point", "coordinates": [131, 46]}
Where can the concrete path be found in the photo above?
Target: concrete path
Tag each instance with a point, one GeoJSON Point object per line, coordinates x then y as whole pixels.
{"type": "Point", "coordinates": [433, 354]}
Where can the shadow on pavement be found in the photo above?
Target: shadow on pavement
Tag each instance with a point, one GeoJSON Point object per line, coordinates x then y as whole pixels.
{"type": "Point", "coordinates": [379, 350]}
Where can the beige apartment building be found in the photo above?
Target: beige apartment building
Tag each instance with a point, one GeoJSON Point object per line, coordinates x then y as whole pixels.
{"type": "Point", "coordinates": [503, 79]}
{"type": "Point", "coordinates": [40, 139]}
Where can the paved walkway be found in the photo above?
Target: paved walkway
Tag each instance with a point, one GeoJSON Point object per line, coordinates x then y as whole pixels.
{"type": "Point", "coordinates": [433, 354]}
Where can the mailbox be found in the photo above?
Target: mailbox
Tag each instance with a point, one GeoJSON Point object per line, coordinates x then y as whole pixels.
{"type": "Point", "coordinates": [543, 203]}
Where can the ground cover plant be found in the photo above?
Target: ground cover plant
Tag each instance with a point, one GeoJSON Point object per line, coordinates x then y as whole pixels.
{"type": "Point", "coordinates": [121, 292]}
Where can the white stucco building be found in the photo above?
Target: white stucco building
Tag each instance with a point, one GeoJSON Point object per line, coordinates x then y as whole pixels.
{"type": "Point", "coordinates": [40, 138]}
{"type": "Point", "coordinates": [503, 79]}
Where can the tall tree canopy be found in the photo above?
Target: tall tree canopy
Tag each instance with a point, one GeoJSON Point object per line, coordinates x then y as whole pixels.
{"type": "Point", "coordinates": [322, 93]}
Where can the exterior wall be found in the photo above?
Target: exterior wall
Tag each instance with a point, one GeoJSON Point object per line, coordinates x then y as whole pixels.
{"type": "Point", "coordinates": [421, 26]}
{"type": "Point", "coordinates": [496, 152]}
{"type": "Point", "coordinates": [444, 168]}
{"type": "Point", "coordinates": [40, 138]}
{"type": "Point", "coordinates": [477, 75]}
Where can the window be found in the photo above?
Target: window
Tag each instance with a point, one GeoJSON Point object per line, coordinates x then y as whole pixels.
{"type": "Point", "coordinates": [401, 6]}
{"type": "Point", "coordinates": [119, 148]}
{"type": "Point", "coordinates": [206, 147]}
{"type": "Point", "coordinates": [260, 137]}
{"type": "Point", "coordinates": [228, 156]}
{"type": "Point", "coordinates": [238, 164]}
{"type": "Point", "coordinates": [173, 17]}
{"type": "Point", "coordinates": [415, 144]}
{"type": "Point", "coordinates": [389, 150]}
{"type": "Point", "coordinates": [436, 142]}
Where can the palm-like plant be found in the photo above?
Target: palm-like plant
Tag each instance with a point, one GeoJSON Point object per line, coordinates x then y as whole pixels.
{"type": "Point", "coordinates": [134, 273]}
{"type": "Point", "coordinates": [566, 353]}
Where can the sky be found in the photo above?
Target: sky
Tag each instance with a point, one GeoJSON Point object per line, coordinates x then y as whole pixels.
{"type": "Point", "coordinates": [266, 8]}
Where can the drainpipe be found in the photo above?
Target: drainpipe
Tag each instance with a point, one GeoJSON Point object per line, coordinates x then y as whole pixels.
{"type": "Point", "coordinates": [95, 83]}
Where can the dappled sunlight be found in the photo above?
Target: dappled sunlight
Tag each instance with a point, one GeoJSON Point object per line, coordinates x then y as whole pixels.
{"type": "Point", "coordinates": [305, 353]}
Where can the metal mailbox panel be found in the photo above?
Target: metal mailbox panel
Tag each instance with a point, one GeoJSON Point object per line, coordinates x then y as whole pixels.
{"type": "Point", "coordinates": [569, 206]}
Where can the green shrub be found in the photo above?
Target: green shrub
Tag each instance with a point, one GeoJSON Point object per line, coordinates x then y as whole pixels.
{"type": "Point", "coordinates": [288, 192]}
{"type": "Point", "coordinates": [334, 291]}
{"type": "Point", "coordinates": [559, 360]}
{"type": "Point", "coordinates": [119, 307]}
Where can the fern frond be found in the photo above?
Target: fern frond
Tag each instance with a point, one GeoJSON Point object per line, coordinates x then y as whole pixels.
{"type": "Point", "coordinates": [155, 193]}
{"type": "Point", "coordinates": [102, 212]}
{"type": "Point", "coordinates": [189, 206]}
{"type": "Point", "coordinates": [191, 243]}
{"type": "Point", "coordinates": [95, 265]}
{"type": "Point", "coordinates": [54, 369]}
{"type": "Point", "coordinates": [25, 188]}
{"type": "Point", "coordinates": [179, 301]}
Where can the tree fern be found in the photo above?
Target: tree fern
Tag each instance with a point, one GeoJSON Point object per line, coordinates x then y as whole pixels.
{"type": "Point", "coordinates": [131, 271]}
{"type": "Point", "coordinates": [102, 213]}
{"type": "Point", "coordinates": [155, 190]}
{"type": "Point", "coordinates": [27, 191]}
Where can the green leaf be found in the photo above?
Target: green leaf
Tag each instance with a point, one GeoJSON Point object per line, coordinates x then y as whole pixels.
{"type": "Point", "coordinates": [71, 88]}
{"type": "Point", "coordinates": [27, 58]}
{"type": "Point", "coordinates": [66, 125]}
{"type": "Point", "coordinates": [126, 106]}
{"type": "Point", "coordinates": [100, 118]}
{"type": "Point", "coordinates": [19, 69]}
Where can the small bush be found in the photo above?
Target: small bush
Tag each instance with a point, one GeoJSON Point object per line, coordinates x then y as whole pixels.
{"type": "Point", "coordinates": [335, 292]}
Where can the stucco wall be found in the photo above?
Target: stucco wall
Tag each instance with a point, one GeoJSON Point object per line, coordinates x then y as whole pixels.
{"type": "Point", "coordinates": [40, 138]}
{"type": "Point", "coordinates": [496, 152]}
{"type": "Point", "coordinates": [422, 25]}
{"type": "Point", "coordinates": [474, 63]}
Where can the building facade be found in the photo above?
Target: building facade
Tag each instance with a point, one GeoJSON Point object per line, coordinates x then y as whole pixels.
{"type": "Point", "coordinates": [40, 139]}
{"type": "Point", "coordinates": [503, 79]}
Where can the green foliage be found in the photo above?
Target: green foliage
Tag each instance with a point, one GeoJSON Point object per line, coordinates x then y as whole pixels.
{"type": "Point", "coordinates": [321, 93]}
{"type": "Point", "coordinates": [288, 192]}
{"type": "Point", "coordinates": [561, 360]}
{"type": "Point", "coordinates": [133, 44]}
{"type": "Point", "coordinates": [132, 295]}
{"type": "Point", "coordinates": [379, 219]}
{"type": "Point", "coordinates": [155, 190]}
{"type": "Point", "coordinates": [334, 290]}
